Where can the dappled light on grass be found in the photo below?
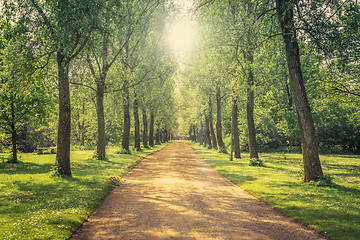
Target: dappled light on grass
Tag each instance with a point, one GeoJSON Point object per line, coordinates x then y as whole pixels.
{"type": "Point", "coordinates": [35, 205]}
{"type": "Point", "coordinates": [174, 194]}
{"type": "Point", "coordinates": [332, 210]}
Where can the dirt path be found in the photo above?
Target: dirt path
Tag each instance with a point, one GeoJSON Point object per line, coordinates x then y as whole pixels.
{"type": "Point", "coordinates": [174, 194]}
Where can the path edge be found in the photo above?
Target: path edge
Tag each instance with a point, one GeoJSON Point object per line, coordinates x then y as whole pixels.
{"type": "Point", "coordinates": [261, 201]}
{"type": "Point", "coordinates": [115, 181]}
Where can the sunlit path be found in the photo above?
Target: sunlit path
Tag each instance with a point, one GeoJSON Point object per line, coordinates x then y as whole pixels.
{"type": "Point", "coordinates": [174, 194]}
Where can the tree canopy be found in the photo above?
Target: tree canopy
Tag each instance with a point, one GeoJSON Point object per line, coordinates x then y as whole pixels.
{"type": "Point", "coordinates": [260, 75]}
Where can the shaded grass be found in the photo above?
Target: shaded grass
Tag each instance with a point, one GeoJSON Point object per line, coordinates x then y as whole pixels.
{"type": "Point", "coordinates": [34, 205]}
{"type": "Point", "coordinates": [333, 210]}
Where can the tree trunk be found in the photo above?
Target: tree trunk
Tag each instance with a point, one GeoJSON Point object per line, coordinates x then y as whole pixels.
{"type": "Point", "coordinates": [207, 132]}
{"type": "Point", "coordinates": [309, 145]}
{"type": "Point", "coordinates": [253, 150]}
{"type": "Point", "coordinates": [13, 134]}
{"type": "Point", "coordinates": [161, 136]}
{"type": "Point", "coordinates": [101, 141]}
{"type": "Point", "coordinates": [194, 131]}
{"type": "Point", "coordinates": [288, 95]}
{"type": "Point", "coordinates": [197, 134]}
{"type": "Point", "coordinates": [151, 130]}
{"type": "Point", "coordinates": [165, 135]}
{"type": "Point", "coordinates": [234, 129]}
{"type": "Point", "coordinates": [82, 126]}
{"type": "Point", "coordinates": [137, 125]}
{"type": "Point", "coordinates": [218, 121]}
{"type": "Point", "coordinates": [211, 123]}
{"type": "Point", "coordinates": [64, 127]}
{"type": "Point", "coordinates": [157, 136]}
{"type": "Point", "coordinates": [201, 134]}
{"type": "Point", "coordinates": [127, 123]}
{"type": "Point", "coordinates": [145, 130]}
{"type": "Point", "coordinates": [190, 131]}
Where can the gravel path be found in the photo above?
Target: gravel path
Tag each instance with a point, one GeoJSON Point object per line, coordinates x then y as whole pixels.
{"type": "Point", "coordinates": [175, 194]}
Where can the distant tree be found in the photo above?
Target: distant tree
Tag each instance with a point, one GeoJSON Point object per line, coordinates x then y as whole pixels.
{"type": "Point", "coordinates": [23, 93]}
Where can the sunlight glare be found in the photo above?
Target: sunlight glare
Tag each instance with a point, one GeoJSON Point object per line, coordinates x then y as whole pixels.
{"type": "Point", "coordinates": [181, 36]}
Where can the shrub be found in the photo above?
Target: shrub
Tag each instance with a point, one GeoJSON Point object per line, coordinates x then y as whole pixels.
{"type": "Point", "coordinates": [256, 162]}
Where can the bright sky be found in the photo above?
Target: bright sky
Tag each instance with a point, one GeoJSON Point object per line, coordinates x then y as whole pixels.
{"type": "Point", "coordinates": [182, 33]}
{"type": "Point", "coordinates": [181, 36]}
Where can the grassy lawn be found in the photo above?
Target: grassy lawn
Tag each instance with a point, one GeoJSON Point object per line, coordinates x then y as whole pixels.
{"type": "Point", "coordinates": [36, 205]}
{"type": "Point", "coordinates": [333, 210]}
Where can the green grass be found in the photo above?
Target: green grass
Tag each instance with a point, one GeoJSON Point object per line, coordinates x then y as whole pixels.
{"type": "Point", "coordinates": [333, 210]}
{"type": "Point", "coordinates": [35, 205]}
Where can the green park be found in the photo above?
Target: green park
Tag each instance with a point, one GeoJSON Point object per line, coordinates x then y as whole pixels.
{"type": "Point", "coordinates": [179, 119]}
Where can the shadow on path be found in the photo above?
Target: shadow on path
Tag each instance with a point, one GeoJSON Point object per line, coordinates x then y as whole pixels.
{"type": "Point", "coordinates": [174, 194]}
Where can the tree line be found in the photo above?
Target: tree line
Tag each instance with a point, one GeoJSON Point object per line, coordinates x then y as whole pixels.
{"type": "Point", "coordinates": [279, 75]}
{"type": "Point", "coordinates": [275, 75]}
{"type": "Point", "coordinates": [84, 73]}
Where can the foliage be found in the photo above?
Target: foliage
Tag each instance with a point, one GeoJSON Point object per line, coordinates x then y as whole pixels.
{"type": "Point", "coordinates": [25, 95]}
{"type": "Point", "coordinates": [329, 57]}
{"type": "Point", "coordinates": [256, 162]}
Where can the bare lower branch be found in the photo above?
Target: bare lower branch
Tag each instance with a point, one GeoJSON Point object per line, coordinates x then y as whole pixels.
{"type": "Point", "coordinates": [85, 85]}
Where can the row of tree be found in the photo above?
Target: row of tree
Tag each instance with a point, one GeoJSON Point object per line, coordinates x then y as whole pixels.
{"type": "Point", "coordinates": [99, 60]}
{"type": "Point", "coordinates": [263, 63]}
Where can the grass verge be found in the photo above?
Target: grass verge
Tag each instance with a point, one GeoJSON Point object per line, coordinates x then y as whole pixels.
{"type": "Point", "coordinates": [35, 205]}
{"type": "Point", "coordinates": [332, 209]}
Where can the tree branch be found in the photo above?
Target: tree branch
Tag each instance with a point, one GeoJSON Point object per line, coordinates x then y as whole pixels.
{"type": "Point", "coordinates": [85, 85]}
{"type": "Point", "coordinates": [44, 17]}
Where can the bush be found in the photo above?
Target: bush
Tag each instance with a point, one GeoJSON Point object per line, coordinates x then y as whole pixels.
{"type": "Point", "coordinates": [222, 150]}
{"type": "Point", "coordinates": [124, 151]}
{"type": "Point", "coordinates": [256, 162]}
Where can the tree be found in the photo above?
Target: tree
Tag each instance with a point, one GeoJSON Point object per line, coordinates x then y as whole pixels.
{"type": "Point", "coordinates": [235, 142]}
{"type": "Point", "coordinates": [65, 28]}
{"type": "Point", "coordinates": [136, 124]}
{"type": "Point", "coordinates": [114, 34]}
{"type": "Point", "coordinates": [311, 161]}
{"type": "Point", "coordinates": [23, 92]}
{"type": "Point", "coordinates": [219, 120]}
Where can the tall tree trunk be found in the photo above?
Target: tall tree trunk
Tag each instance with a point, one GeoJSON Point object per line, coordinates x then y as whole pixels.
{"type": "Point", "coordinates": [288, 95]}
{"type": "Point", "coordinates": [13, 134]}
{"type": "Point", "coordinates": [82, 126]}
{"type": "Point", "coordinates": [198, 134]}
{"type": "Point", "coordinates": [151, 130]}
{"type": "Point", "coordinates": [194, 131]}
{"type": "Point", "coordinates": [190, 135]}
{"type": "Point", "coordinates": [218, 121]}
{"type": "Point", "coordinates": [127, 123]}
{"type": "Point", "coordinates": [234, 128]}
{"type": "Point", "coordinates": [253, 149]}
{"type": "Point", "coordinates": [165, 137]}
{"type": "Point", "coordinates": [211, 123]}
{"type": "Point", "coordinates": [101, 141]}
{"type": "Point", "coordinates": [309, 145]}
{"type": "Point", "coordinates": [145, 129]}
{"type": "Point", "coordinates": [137, 124]}
{"type": "Point", "coordinates": [201, 135]}
{"type": "Point", "coordinates": [207, 131]}
{"type": "Point", "coordinates": [157, 136]}
{"type": "Point", "coordinates": [64, 127]}
{"type": "Point", "coordinates": [161, 136]}
{"type": "Point", "coordinates": [13, 142]}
